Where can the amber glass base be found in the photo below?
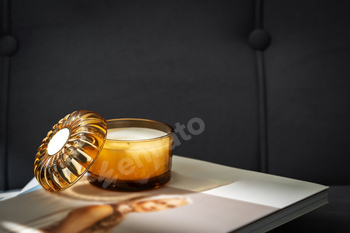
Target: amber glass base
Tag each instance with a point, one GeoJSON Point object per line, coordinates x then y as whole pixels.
{"type": "Point", "coordinates": [129, 185]}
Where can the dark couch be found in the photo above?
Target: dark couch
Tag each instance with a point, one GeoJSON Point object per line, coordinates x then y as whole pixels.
{"type": "Point", "coordinates": [269, 79]}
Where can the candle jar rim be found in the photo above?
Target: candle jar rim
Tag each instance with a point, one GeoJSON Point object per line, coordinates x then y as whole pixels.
{"type": "Point", "coordinates": [139, 123]}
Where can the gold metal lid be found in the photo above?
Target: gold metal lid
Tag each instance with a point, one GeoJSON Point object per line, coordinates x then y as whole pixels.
{"type": "Point", "coordinates": [69, 149]}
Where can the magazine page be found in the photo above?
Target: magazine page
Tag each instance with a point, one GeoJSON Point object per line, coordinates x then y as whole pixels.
{"type": "Point", "coordinates": [200, 197]}
{"type": "Point", "coordinates": [167, 209]}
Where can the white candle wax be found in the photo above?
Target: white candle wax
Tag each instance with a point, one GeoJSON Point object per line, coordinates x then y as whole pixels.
{"type": "Point", "coordinates": [133, 133]}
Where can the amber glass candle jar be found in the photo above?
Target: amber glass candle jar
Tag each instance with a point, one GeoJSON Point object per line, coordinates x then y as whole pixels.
{"type": "Point", "coordinates": [122, 154]}
{"type": "Point", "coordinates": [136, 155]}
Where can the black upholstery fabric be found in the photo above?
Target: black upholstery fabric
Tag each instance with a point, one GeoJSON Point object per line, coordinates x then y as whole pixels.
{"type": "Point", "coordinates": [308, 83]}
{"type": "Point", "coordinates": [163, 60]}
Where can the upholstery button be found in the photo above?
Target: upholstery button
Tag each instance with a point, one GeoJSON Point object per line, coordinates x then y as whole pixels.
{"type": "Point", "coordinates": [259, 39]}
{"type": "Point", "coordinates": [8, 45]}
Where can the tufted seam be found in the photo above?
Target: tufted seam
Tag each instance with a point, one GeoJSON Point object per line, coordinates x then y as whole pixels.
{"type": "Point", "coordinates": [259, 40]}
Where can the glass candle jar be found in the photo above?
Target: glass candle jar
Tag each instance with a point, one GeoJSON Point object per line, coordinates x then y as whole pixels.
{"type": "Point", "coordinates": [121, 154]}
{"type": "Point", "coordinates": [136, 155]}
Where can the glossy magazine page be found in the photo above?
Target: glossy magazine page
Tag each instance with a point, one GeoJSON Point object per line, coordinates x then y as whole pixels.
{"type": "Point", "coordinates": [200, 197]}
{"type": "Point", "coordinates": [166, 209]}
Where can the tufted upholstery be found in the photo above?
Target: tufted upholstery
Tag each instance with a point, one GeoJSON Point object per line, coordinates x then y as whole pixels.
{"type": "Point", "coordinates": [270, 80]}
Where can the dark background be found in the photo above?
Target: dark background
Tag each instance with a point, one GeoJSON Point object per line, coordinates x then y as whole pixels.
{"type": "Point", "coordinates": [270, 80]}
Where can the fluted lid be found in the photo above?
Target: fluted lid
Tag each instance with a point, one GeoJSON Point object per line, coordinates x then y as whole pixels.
{"type": "Point", "coordinates": [69, 149]}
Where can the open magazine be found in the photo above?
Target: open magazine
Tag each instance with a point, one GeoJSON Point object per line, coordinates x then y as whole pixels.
{"type": "Point", "coordinates": [166, 209]}
{"type": "Point", "coordinates": [233, 200]}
